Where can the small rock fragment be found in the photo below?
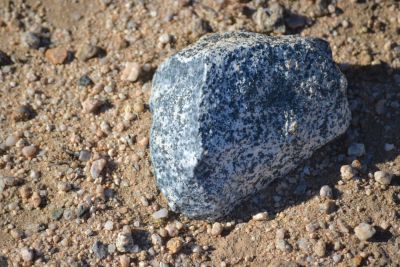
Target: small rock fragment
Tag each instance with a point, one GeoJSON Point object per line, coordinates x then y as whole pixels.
{"type": "Point", "coordinates": [124, 261]}
{"type": "Point", "coordinates": [86, 52]}
{"type": "Point", "coordinates": [91, 105]}
{"type": "Point", "coordinates": [131, 72]}
{"type": "Point", "coordinates": [11, 140]}
{"type": "Point", "coordinates": [164, 38]}
{"type": "Point", "coordinates": [383, 177]}
{"type": "Point", "coordinates": [29, 151]}
{"type": "Point", "coordinates": [326, 192]}
{"type": "Point", "coordinates": [97, 168]}
{"type": "Point", "coordinates": [26, 254]}
{"type": "Point", "coordinates": [262, 216]}
{"type": "Point", "coordinates": [99, 250]}
{"type": "Point", "coordinates": [364, 231]}
{"type": "Point", "coordinates": [347, 172]}
{"type": "Point", "coordinates": [109, 226]}
{"type": "Point", "coordinates": [36, 200]}
{"type": "Point", "coordinates": [271, 19]}
{"type": "Point", "coordinates": [56, 55]}
{"type": "Point", "coordinates": [31, 40]}
{"type": "Point", "coordinates": [174, 245]}
{"type": "Point", "coordinates": [160, 214]}
{"type": "Point", "coordinates": [85, 80]}
{"type": "Point", "coordinates": [320, 248]}
{"type": "Point", "coordinates": [124, 242]}
{"type": "Point", "coordinates": [216, 229]}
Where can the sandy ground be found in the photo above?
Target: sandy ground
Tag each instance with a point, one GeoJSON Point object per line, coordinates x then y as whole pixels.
{"type": "Point", "coordinates": [63, 110]}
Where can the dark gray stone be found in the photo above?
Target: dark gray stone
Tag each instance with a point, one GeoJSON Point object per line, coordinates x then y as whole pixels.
{"type": "Point", "coordinates": [100, 250]}
{"type": "Point", "coordinates": [236, 110]}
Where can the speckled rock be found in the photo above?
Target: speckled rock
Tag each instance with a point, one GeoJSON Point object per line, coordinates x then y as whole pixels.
{"type": "Point", "coordinates": [236, 110]}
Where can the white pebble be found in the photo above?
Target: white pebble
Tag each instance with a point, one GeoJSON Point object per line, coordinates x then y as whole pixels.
{"type": "Point", "coordinates": [160, 214]}
{"type": "Point", "coordinates": [347, 172]}
{"type": "Point", "coordinates": [382, 177]}
{"type": "Point", "coordinates": [326, 191]}
{"type": "Point", "coordinates": [262, 216]}
{"type": "Point", "coordinates": [109, 226]}
{"type": "Point", "coordinates": [364, 231]}
{"type": "Point", "coordinates": [131, 72]}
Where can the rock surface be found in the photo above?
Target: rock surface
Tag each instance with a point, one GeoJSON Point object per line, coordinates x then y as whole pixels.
{"type": "Point", "coordinates": [236, 110]}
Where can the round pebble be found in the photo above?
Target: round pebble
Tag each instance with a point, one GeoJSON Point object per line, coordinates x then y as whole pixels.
{"type": "Point", "coordinates": [383, 177]}
{"type": "Point", "coordinates": [326, 191]}
{"type": "Point", "coordinates": [29, 151]}
{"type": "Point", "coordinates": [364, 231]}
{"type": "Point", "coordinates": [347, 172]}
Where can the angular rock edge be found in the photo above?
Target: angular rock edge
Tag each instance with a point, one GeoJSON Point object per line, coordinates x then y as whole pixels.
{"type": "Point", "coordinates": [234, 111]}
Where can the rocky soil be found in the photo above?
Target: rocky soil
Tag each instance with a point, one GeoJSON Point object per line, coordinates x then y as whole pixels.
{"type": "Point", "coordinates": [76, 183]}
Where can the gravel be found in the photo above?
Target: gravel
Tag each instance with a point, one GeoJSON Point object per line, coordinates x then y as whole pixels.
{"type": "Point", "coordinates": [99, 249]}
{"type": "Point", "coordinates": [383, 177]}
{"type": "Point", "coordinates": [97, 168]}
{"type": "Point", "coordinates": [364, 231]}
{"type": "Point", "coordinates": [347, 172]}
{"type": "Point", "coordinates": [131, 72]}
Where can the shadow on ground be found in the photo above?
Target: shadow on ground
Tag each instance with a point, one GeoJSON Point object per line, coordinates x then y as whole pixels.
{"type": "Point", "coordinates": [372, 95]}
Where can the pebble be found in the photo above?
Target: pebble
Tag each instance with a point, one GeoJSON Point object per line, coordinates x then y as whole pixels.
{"type": "Point", "coordinates": [36, 200]}
{"type": "Point", "coordinates": [262, 216]}
{"type": "Point", "coordinates": [320, 248]}
{"type": "Point", "coordinates": [85, 155]}
{"type": "Point", "coordinates": [143, 142]}
{"type": "Point", "coordinates": [131, 72]}
{"type": "Point", "coordinates": [124, 242]}
{"type": "Point", "coordinates": [56, 55]}
{"type": "Point", "coordinates": [109, 226]}
{"type": "Point", "coordinates": [283, 245]}
{"type": "Point", "coordinates": [271, 19]}
{"type": "Point", "coordinates": [86, 52]}
{"type": "Point", "coordinates": [160, 214]}
{"type": "Point", "coordinates": [347, 172]}
{"type": "Point", "coordinates": [364, 231]}
{"type": "Point", "coordinates": [124, 261]}
{"type": "Point", "coordinates": [91, 105]}
{"type": "Point", "coordinates": [156, 239]}
{"type": "Point", "coordinates": [356, 150]}
{"type": "Point", "coordinates": [97, 168]}
{"type": "Point", "coordinates": [99, 250]}
{"type": "Point", "coordinates": [172, 230]}
{"type": "Point", "coordinates": [31, 40]}
{"type": "Point", "coordinates": [216, 229]}
{"type": "Point", "coordinates": [29, 151]}
{"type": "Point", "coordinates": [383, 177]}
{"type": "Point", "coordinates": [174, 245]}
{"type": "Point", "coordinates": [326, 192]}
{"type": "Point", "coordinates": [26, 254]}
{"type": "Point", "coordinates": [164, 38]}
{"type": "Point", "coordinates": [11, 140]}
{"type": "Point", "coordinates": [85, 80]}
{"type": "Point", "coordinates": [138, 107]}
{"type": "Point", "coordinates": [57, 214]}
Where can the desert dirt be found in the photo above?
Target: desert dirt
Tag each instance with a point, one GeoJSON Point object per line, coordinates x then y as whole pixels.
{"type": "Point", "coordinates": [75, 106]}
